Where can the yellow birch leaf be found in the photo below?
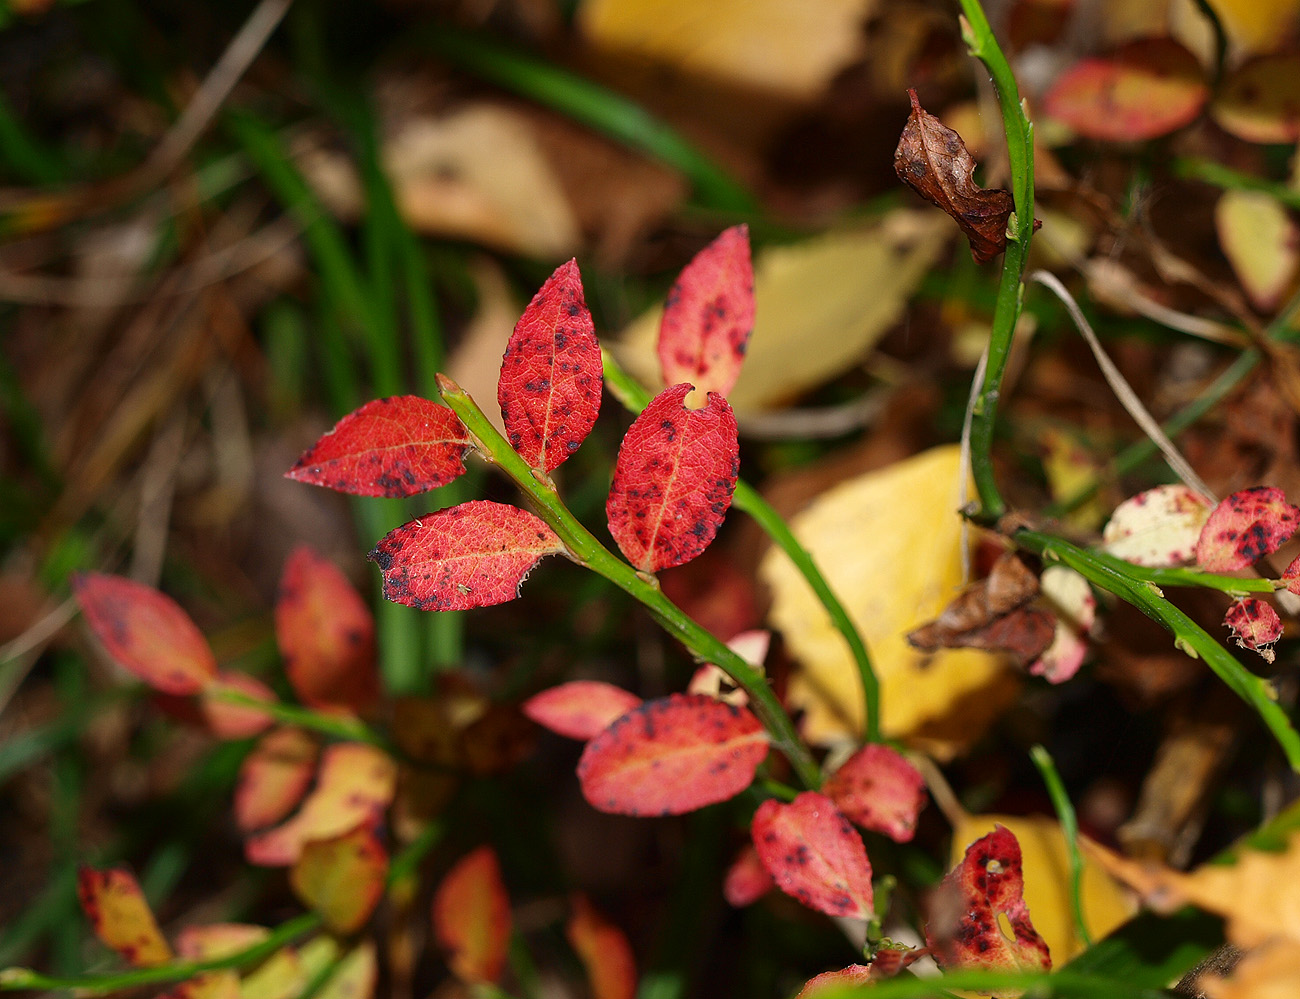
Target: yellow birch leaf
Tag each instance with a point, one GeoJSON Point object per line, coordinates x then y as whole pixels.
{"type": "Point", "coordinates": [1106, 904]}
{"type": "Point", "coordinates": [888, 543]}
{"type": "Point", "coordinates": [1260, 241]}
{"type": "Point", "coordinates": [820, 306]}
{"type": "Point", "coordinates": [790, 48]}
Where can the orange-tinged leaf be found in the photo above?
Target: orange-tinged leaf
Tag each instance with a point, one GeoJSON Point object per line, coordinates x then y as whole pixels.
{"type": "Point", "coordinates": [1145, 89]}
{"type": "Point", "coordinates": [471, 917]}
{"type": "Point", "coordinates": [580, 709]}
{"type": "Point", "coordinates": [1255, 625]}
{"type": "Point", "coordinates": [274, 777]}
{"type": "Point", "coordinates": [342, 878]}
{"type": "Point", "coordinates": [326, 635]}
{"type": "Point", "coordinates": [672, 755]}
{"type": "Point", "coordinates": [145, 632]}
{"type": "Point", "coordinates": [236, 721]}
{"type": "Point", "coordinates": [216, 940]}
{"type": "Point", "coordinates": [120, 916]}
{"type": "Point", "coordinates": [814, 854]}
{"type": "Point", "coordinates": [673, 480]}
{"type": "Point", "coordinates": [355, 975]}
{"type": "Point", "coordinates": [747, 879]}
{"type": "Point", "coordinates": [1158, 527]}
{"type": "Point", "coordinates": [1244, 528]}
{"type": "Point", "coordinates": [854, 974]}
{"type": "Point", "coordinates": [213, 985]}
{"type": "Point", "coordinates": [355, 784]}
{"type": "Point", "coordinates": [398, 446]}
{"type": "Point", "coordinates": [280, 976]}
{"type": "Point", "coordinates": [552, 373]}
{"type": "Point", "coordinates": [1261, 242]}
{"type": "Point", "coordinates": [1259, 101]}
{"type": "Point", "coordinates": [878, 789]}
{"type": "Point", "coordinates": [708, 316]}
{"type": "Point", "coordinates": [473, 555]}
{"type": "Point", "coordinates": [604, 951]}
{"type": "Point", "coordinates": [977, 896]}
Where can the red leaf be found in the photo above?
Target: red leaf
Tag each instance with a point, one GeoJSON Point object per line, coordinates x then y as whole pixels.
{"type": "Point", "coordinates": [472, 555]}
{"type": "Point", "coordinates": [673, 481]}
{"type": "Point", "coordinates": [604, 951]}
{"type": "Point", "coordinates": [878, 789]}
{"type": "Point", "coordinates": [1291, 576]}
{"type": "Point", "coordinates": [551, 374]}
{"type": "Point", "coordinates": [1244, 528]}
{"type": "Point", "coordinates": [1255, 625]}
{"type": "Point", "coordinates": [934, 162]}
{"type": "Point", "coordinates": [145, 632]}
{"type": "Point", "coordinates": [747, 879]}
{"type": "Point", "coordinates": [398, 446]}
{"type": "Point", "coordinates": [471, 917]}
{"type": "Point", "coordinates": [273, 778]}
{"type": "Point", "coordinates": [814, 854]}
{"type": "Point", "coordinates": [708, 316]}
{"type": "Point", "coordinates": [342, 877]}
{"type": "Point", "coordinates": [983, 891]}
{"type": "Point", "coordinates": [120, 916]}
{"type": "Point", "coordinates": [854, 974]}
{"type": "Point", "coordinates": [1147, 88]}
{"type": "Point", "coordinates": [355, 784]}
{"type": "Point", "coordinates": [236, 721]}
{"type": "Point", "coordinates": [326, 635]}
{"type": "Point", "coordinates": [580, 709]}
{"type": "Point", "coordinates": [672, 755]}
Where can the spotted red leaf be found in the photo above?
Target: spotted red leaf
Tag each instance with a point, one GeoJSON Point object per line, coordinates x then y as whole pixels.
{"type": "Point", "coordinates": [878, 789]}
{"type": "Point", "coordinates": [672, 755]}
{"type": "Point", "coordinates": [274, 777]}
{"type": "Point", "coordinates": [827, 981]}
{"type": "Point", "coordinates": [977, 897]}
{"type": "Point", "coordinates": [326, 635]}
{"type": "Point", "coordinates": [1291, 576]}
{"type": "Point", "coordinates": [120, 916]}
{"type": "Point", "coordinates": [342, 877]}
{"type": "Point", "coordinates": [145, 632]}
{"type": "Point", "coordinates": [472, 555]}
{"type": "Point", "coordinates": [398, 446]}
{"type": "Point", "coordinates": [1244, 528]}
{"type": "Point", "coordinates": [673, 480]}
{"type": "Point", "coordinates": [814, 854]}
{"type": "Point", "coordinates": [1255, 625]}
{"type": "Point", "coordinates": [604, 951]}
{"type": "Point", "coordinates": [551, 374]}
{"type": "Point", "coordinates": [471, 917]}
{"type": "Point", "coordinates": [708, 316]}
{"type": "Point", "coordinates": [580, 709]}
{"type": "Point", "coordinates": [747, 879]}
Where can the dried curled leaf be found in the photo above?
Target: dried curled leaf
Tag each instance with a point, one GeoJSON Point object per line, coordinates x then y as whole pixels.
{"type": "Point", "coordinates": [473, 555]}
{"type": "Point", "coordinates": [580, 709]}
{"type": "Point", "coordinates": [814, 854]}
{"type": "Point", "coordinates": [934, 162]}
{"type": "Point", "coordinates": [1244, 528]}
{"type": "Point", "coordinates": [672, 755]}
{"type": "Point", "coordinates": [977, 896]}
{"type": "Point", "coordinates": [398, 446]}
{"type": "Point", "coordinates": [551, 374]}
{"type": "Point", "coordinates": [145, 632]}
{"type": "Point", "coordinates": [708, 316]}
{"type": "Point", "coordinates": [673, 480]}
{"type": "Point", "coordinates": [471, 917]}
{"type": "Point", "coordinates": [1255, 625]}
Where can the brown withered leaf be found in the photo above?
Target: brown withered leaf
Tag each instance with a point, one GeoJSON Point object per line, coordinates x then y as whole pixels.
{"type": "Point", "coordinates": [993, 614]}
{"type": "Point", "coordinates": [933, 161]}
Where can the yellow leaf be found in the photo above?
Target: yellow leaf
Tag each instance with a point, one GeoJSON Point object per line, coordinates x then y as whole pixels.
{"type": "Point", "coordinates": [1260, 241]}
{"type": "Point", "coordinates": [820, 306]}
{"type": "Point", "coordinates": [888, 543]}
{"type": "Point", "coordinates": [791, 48]}
{"type": "Point", "coordinates": [1047, 881]}
{"type": "Point", "coordinates": [1251, 25]}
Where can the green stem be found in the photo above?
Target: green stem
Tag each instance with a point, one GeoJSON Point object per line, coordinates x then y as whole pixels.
{"type": "Point", "coordinates": [1185, 577]}
{"type": "Point", "coordinates": [635, 397]}
{"type": "Point", "coordinates": [337, 727]}
{"type": "Point", "coordinates": [1218, 175]}
{"type": "Point", "coordinates": [1020, 229]}
{"type": "Point", "coordinates": [1070, 829]}
{"type": "Point", "coordinates": [1188, 636]}
{"type": "Point", "coordinates": [584, 549]}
